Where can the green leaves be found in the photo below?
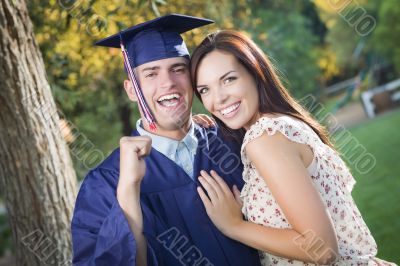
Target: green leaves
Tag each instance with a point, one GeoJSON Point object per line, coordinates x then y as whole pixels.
{"type": "Point", "coordinates": [289, 39]}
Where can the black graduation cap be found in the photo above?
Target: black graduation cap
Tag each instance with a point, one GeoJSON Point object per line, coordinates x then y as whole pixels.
{"type": "Point", "coordinates": [150, 41]}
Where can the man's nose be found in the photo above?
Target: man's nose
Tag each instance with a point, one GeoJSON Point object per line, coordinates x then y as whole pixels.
{"type": "Point", "coordinates": [166, 80]}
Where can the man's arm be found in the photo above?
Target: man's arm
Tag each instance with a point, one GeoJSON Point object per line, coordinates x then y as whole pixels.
{"type": "Point", "coordinates": [129, 200]}
{"type": "Point", "coordinates": [107, 227]}
{"type": "Point", "coordinates": [100, 231]}
{"type": "Point", "coordinates": [132, 171]}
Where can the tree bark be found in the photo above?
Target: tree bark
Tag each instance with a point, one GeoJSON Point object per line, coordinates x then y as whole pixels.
{"type": "Point", "coordinates": [37, 178]}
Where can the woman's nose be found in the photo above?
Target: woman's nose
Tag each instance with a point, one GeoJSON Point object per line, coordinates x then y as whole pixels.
{"type": "Point", "coordinates": [220, 96]}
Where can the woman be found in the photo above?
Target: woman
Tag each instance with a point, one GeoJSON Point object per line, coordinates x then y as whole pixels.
{"type": "Point", "coordinates": [297, 194]}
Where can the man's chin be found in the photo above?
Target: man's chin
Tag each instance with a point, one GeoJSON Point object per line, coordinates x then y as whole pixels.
{"type": "Point", "coordinates": [174, 123]}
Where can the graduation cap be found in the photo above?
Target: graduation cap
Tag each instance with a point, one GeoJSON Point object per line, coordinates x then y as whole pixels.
{"type": "Point", "coordinates": [150, 41]}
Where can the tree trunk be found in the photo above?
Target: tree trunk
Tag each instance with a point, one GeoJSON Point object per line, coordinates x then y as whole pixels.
{"type": "Point", "coordinates": [124, 109]}
{"type": "Point", "coordinates": [125, 115]}
{"type": "Point", "coordinates": [36, 174]}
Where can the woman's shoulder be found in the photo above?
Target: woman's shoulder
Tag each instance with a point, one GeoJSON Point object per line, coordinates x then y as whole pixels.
{"type": "Point", "coordinates": [289, 129]}
{"type": "Point", "coordinates": [265, 144]}
{"type": "Point", "coordinates": [280, 118]}
{"type": "Point", "coordinates": [271, 123]}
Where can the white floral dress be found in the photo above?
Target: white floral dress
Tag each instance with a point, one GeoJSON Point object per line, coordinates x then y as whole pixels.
{"type": "Point", "coordinates": [333, 181]}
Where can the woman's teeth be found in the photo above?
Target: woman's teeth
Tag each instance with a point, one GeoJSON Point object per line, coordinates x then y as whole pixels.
{"type": "Point", "coordinates": [229, 109]}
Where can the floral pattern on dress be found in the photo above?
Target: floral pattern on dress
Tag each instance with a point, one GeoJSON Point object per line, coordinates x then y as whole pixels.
{"type": "Point", "coordinates": [334, 182]}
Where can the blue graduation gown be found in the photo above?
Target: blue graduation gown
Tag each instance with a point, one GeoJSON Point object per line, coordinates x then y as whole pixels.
{"type": "Point", "coordinates": [176, 225]}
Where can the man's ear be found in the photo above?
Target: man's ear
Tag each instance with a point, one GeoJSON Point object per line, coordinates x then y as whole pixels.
{"type": "Point", "coordinates": [130, 91]}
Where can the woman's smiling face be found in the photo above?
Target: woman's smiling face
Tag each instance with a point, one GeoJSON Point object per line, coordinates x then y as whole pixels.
{"type": "Point", "coordinates": [228, 90]}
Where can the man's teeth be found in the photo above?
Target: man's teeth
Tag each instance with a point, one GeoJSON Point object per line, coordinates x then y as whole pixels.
{"type": "Point", "coordinates": [169, 103]}
{"type": "Point", "coordinates": [169, 97]}
{"type": "Point", "coordinates": [169, 100]}
{"type": "Point", "coordinates": [229, 109]}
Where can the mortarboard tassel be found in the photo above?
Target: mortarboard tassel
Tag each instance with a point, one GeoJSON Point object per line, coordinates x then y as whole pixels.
{"type": "Point", "coordinates": [142, 102]}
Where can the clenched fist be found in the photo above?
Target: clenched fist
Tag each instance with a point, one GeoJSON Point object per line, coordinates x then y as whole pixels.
{"type": "Point", "coordinates": [131, 172]}
{"type": "Point", "coordinates": [132, 164]}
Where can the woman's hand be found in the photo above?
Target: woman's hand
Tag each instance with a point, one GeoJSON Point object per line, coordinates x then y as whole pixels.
{"type": "Point", "coordinates": [222, 206]}
{"type": "Point", "coordinates": [204, 120]}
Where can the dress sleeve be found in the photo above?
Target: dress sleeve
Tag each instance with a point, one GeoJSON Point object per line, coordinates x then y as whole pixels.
{"type": "Point", "coordinates": [100, 231]}
{"type": "Point", "coordinates": [299, 132]}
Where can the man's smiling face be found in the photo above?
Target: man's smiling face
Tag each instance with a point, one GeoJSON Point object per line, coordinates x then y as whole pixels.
{"type": "Point", "coordinates": [167, 89]}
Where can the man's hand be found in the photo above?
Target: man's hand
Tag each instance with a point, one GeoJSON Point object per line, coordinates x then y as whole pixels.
{"type": "Point", "coordinates": [132, 170]}
{"type": "Point", "coordinates": [204, 120]}
{"type": "Point", "coordinates": [132, 164]}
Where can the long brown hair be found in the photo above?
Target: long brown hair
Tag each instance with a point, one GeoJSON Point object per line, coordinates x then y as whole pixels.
{"type": "Point", "coordinates": [273, 96]}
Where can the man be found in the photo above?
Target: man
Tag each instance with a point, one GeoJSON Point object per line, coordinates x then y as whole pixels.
{"type": "Point", "coordinates": [140, 206]}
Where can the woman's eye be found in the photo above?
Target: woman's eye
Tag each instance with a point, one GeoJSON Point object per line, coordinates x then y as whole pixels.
{"type": "Point", "coordinates": [229, 80]}
{"type": "Point", "coordinates": [203, 90]}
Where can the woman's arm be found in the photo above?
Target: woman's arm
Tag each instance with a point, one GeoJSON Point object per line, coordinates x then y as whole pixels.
{"type": "Point", "coordinates": [312, 237]}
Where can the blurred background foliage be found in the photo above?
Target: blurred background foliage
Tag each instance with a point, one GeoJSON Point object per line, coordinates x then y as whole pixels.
{"type": "Point", "coordinates": [310, 42]}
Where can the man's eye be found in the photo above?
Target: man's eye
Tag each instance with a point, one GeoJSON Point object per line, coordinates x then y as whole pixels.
{"type": "Point", "coordinates": [150, 75]}
{"type": "Point", "coordinates": [179, 70]}
{"type": "Point", "coordinates": [203, 90]}
{"type": "Point", "coordinates": [229, 80]}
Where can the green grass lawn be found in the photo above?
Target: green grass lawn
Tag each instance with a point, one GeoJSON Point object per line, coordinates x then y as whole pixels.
{"type": "Point", "coordinates": [377, 193]}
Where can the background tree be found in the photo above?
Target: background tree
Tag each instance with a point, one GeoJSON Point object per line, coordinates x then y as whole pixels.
{"type": "Point", "coordinates": [37, 178]}
{"type": "Point", "coordinates": [386, 36]}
